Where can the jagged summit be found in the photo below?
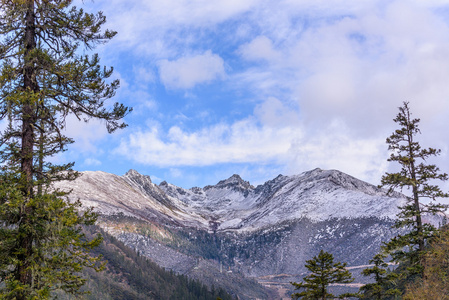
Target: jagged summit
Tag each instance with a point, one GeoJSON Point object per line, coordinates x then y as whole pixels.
{"type": "Point", "coordinates": [133, 174]}
{"type": "Point", "coordinates": [318, 174]}
{"type": "Point", "coordinates": [317, 195]}
{"type": "Point", "coordinates": [142, 181]}
{"type": "Point", "coordinates": [268, 230]}
{"type": "Point", "coordinates": [234, 204]}
{"type": "Point", "coordinates": [235, 182]}
{"type": "Point", "coordinates": [163, 183]}
{"type": "Point", "coordinates": [343, 180]}
{"type": "Point", "coordinates": [235, 178]}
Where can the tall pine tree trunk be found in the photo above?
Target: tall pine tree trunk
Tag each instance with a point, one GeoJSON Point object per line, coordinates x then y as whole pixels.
{"type": "Point", "coordinates": [418, 222]}
{"type": "Point", "coordinates": [28, 111]}
{"type": "Point", "coordinates": [40, 166]}
{"type": "Point", "coordinates": [419, 226]}
{"type": "Point", "coordinates": [28, 118]}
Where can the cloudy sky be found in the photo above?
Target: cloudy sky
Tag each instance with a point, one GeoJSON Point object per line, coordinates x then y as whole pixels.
{"type": "Point", "coordinates": [267, 87]}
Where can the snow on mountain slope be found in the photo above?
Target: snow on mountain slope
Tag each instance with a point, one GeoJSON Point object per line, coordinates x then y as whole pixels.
{"type": "Point", "coordinates": [258, 231]}
{"type": "Point", "coordinates": [234, 204]}
{"type": "Point", "coordinates": [132, 195]}
{"type": "Point", "coordinates": [317, 195]}
{"type": "Point", "coordinates": [322, 195]}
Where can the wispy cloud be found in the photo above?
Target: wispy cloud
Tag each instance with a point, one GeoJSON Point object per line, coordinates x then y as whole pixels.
{"type": "Point", "coordinates": [92, 162]}
{"type": "Point", "coordinates": [260, 48]}
{"type": "Point", "coordinates": [186, 72]}
{"type": "Point", "coordinates": [240, 142]}
{"type": "Point", "coordinates": [87, 135]}
{"type": "Point", "coordinates": [323, 80]}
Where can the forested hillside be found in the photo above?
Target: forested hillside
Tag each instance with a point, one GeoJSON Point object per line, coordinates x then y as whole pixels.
{"type": "Point", "coordinates": [131, 276]}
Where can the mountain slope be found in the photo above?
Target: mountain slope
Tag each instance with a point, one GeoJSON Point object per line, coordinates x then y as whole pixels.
{"type": "Point", "coordinates": [131, 276]}
{"type": "Point", "coordinates": [224, 233]}
{"type": "Point", "coordinates": [317, 195]}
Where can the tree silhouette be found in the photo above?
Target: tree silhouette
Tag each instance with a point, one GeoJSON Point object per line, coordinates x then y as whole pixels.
{"type": "Point", "coordinates": [416, 174]}
{"type": "Point", "coordinates": [323, 272]}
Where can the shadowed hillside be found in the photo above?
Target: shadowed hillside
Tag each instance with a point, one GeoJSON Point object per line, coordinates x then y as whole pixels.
{"type": "Point", "coordinates": [130, 276]}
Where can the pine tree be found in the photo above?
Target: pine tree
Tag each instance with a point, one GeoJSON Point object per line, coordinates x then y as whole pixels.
{"type": "Point", "coordinates": [43, 79]}
{"type": "Point", "coordinates": [415, 175]}
{"type": "Point", "coordinates": [384, 285]}
{"type": "Point", "coordinates": [323, 272]}
{"type": "Point", "coordinates": [435, 283]}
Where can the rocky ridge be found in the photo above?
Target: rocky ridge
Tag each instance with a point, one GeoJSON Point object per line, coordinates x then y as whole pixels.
{"type": "Point", "coordinates": [318, 195]}
{"type": "Point", "coordinates": [261, 232]}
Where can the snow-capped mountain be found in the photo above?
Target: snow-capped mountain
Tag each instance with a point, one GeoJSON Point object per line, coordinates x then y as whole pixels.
{"type": "Point", "coordinates": [259, 232]}
{"type": "Point", "coordinates": [317, 195]}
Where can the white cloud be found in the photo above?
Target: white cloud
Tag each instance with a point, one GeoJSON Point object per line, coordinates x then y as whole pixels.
{"type": "Point", "coordinates": [260, 48]}
{"type": "Point", "coordinates": [176, 13]}
{"type": "Point", "coordinates": [247, 143]}
{"type": "Point", "coordinates": [243, 141]}
{"type": "Point", "coordinates": [86, 135]}
{"type": "Point", "coordinates": [186, 72]}
{"type": "Point", "coordinates": [332, 75]}
{"type": "Point", "coordinates": [357, 69]}
{"type": "Point", "coordinates": [92, 162]}
{"type": "Point", "coordinates": [89, 142]}
{"type": "Point", "coordinates": [198, 12]}
{"type": "Point", "coordinates": [334, 147]}
{"type": "Point", "coordinates": [144, 75]}
{"type": "Point", "coordinates": [152, 27]}
{"type": "Point", "coordinates": [274, 135]}
{"type": "Point", "coordinates": [274, 113]}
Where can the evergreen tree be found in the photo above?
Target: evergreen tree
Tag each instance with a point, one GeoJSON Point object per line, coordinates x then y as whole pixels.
{"type": "Point", "coordinates": [416, 175]}
{"type": "Point", "coordinates": [384, 285]}
{"type": "Point", "coordinates": [323, 272]}
{"type": "Point", "coordinates": [43, 79]}
{"type": "Point", "coordinates": [435, 282]}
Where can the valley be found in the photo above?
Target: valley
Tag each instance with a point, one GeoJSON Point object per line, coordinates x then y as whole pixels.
{"type": "Point", "coordinates": [251, 241]}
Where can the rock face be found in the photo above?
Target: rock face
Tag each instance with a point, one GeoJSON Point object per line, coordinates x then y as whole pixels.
{"type": "Point", "coordinates": [233, 228]}
{"type": "Point", "coordinates": [317, 195]}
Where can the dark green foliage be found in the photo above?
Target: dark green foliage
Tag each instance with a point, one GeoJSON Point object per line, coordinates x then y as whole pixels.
{"type": "Point", "coordinates": [43, 79]}
{"type": "Point", "coordinates": [131, 276]}
{"type": "Point", "coordinates": [435, 282]}
{"type": "Point", "coordinates": [323, 272]}
{"type": "Point", "coordinates": [415, 175]}
{"type": "Point", "coordinates": [59, 251]}
{"type": "Point", "coordinates": [202, 243]}
{"type": "Point", "coordinates": [225, 247]}
{"type": "Point", "coordinates": [203, 246]}
{"type": "Point", "coordinates": [384, 286]}
{"type": "Point", "coordinates": [408, 250]}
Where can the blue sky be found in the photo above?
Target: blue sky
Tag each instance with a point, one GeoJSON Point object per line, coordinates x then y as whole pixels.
{"type": "Point", "coordinates": [262, 88]}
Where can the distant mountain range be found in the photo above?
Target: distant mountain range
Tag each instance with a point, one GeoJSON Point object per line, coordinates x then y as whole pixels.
{"type": "Point", "coordinates": [252, 241]}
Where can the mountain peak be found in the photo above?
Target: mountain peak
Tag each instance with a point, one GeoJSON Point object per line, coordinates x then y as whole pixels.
{"type": "Point", "coordinates": [235, 178]}
{"type": "Point", "coordinates": [234, 182]}
{"type": "Point", "coordinates": [339, 179]}
{"type": "Point", "coordinates": [134, 174]}
{"type": "Point", "coordinates": [237, 205]}
{"type": "Point", "coordinates": [141, 180]}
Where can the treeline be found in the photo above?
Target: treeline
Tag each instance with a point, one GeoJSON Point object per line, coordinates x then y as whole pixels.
{"type": "Point", "coordinates": [128, 275]}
